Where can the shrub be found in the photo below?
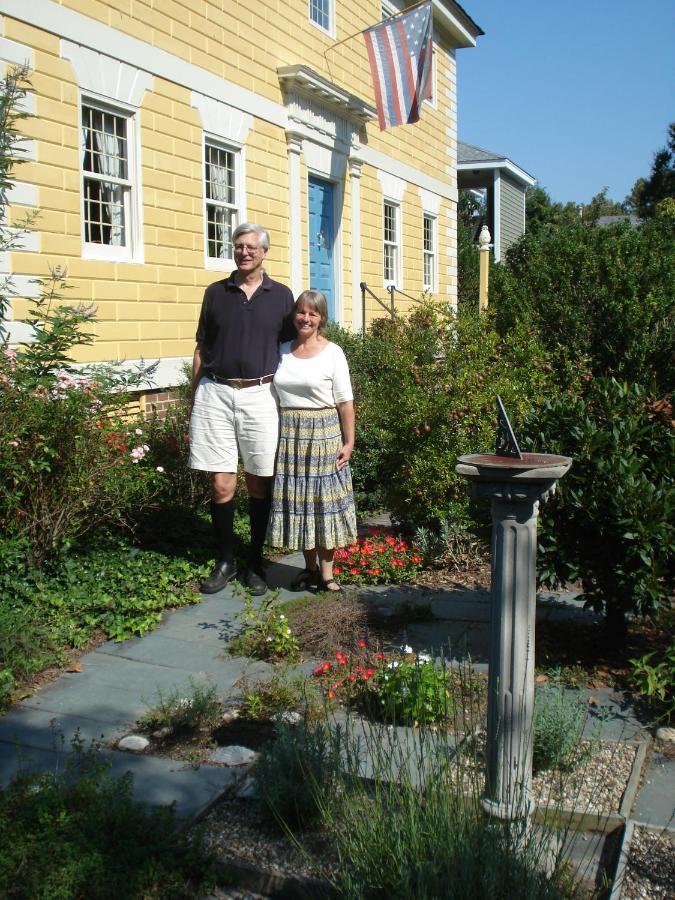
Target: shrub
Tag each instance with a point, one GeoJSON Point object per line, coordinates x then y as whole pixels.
{"type": "Point", "coordinates": [80, 834]}
{"type": "Point", "coordinates": [610, 524]}
{"type": "Point", "coordinates": [597, 298]}
{"type": "Point", "coordinates": [183, 711]}
{"type": "Point", "coordinates": [71, 459]}
{"type": "Point", "coordinates": [654, 678]}
{"type": "Point", "coordinates": [557, 725]}
{"type": "Point", "coordinates": [425, 390]}
{"type": "Point", "coordinates": [292, 768]}
{"type": "Point", "coordinates": [266, 632]}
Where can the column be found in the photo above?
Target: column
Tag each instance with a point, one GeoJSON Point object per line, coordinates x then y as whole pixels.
{"type": "Point", "coordinates": [355, 165]}
{"type": "Point", "coordinates": [294, 148]}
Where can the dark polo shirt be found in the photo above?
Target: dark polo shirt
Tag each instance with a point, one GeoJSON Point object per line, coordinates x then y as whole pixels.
{"type": "Point", "coordinates": [239, 338]}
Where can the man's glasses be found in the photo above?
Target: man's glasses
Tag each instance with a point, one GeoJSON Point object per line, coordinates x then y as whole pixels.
{"type": "Point", "coordinates": [252, 248]}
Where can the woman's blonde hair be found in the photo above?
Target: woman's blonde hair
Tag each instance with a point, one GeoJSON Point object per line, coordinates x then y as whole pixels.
{"type": "Point", "coordinates": [316, 301]}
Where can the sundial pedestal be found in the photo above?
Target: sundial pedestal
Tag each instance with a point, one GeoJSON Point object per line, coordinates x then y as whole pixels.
{"type": "Point", "coordinates": [515, 486]}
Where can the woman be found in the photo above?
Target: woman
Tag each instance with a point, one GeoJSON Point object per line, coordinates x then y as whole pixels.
{"type": "Point", "coordinates": [312, 499]}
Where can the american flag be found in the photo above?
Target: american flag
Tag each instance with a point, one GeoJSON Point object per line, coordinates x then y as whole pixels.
{"type": "Point", "coordinates": [399, 51]}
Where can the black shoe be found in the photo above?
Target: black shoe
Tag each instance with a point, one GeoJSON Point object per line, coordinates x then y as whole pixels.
{"type": "Point", "coordinates": [252, 579]}
{"type": "Point", "coordinates": [222, 573]}
{"type": "Point", "coordinates": [308, 578]}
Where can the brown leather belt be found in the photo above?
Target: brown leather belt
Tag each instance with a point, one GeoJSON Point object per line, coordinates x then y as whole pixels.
{"type": "Point", "coordinates": [240, 382]}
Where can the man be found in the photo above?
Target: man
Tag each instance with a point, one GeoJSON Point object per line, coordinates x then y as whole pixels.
{"type": "Point", "coordinates": [234, 410]}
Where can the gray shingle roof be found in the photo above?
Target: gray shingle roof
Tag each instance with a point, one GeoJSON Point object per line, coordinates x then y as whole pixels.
{"type": "Point", "coordinates": [471, 153]}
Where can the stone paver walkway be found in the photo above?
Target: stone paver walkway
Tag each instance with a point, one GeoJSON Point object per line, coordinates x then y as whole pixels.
{"type": "Point", "coordinates": [118, 682]}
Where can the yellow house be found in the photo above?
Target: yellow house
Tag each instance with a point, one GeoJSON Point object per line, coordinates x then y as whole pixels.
{"type": "Point", "coordinates": [159, 125]}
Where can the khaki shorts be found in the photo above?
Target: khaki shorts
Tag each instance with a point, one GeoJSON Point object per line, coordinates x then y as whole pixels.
{"type": "Point", "coordinates": [229, 422]}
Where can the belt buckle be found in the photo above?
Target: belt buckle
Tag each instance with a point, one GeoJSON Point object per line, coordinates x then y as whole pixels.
{"type": "Point", "coordinates": [238, 385]}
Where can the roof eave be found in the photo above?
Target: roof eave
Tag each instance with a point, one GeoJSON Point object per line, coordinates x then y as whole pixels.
{"type": "Point", "coordinates": [454, 21]}
{"type": "Point", "coordinates": [502, 164]}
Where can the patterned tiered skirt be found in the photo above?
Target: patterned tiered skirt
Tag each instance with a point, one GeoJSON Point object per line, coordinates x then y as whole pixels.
{"type": "Point", "coordinates": [312, 500]}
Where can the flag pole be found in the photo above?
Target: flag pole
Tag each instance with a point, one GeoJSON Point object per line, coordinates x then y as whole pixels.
{"type": "Point", "coordinates": [388, 19]}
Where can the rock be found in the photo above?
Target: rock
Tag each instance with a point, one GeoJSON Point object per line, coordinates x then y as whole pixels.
{"type": "Point", "coordinates": [229, 715]}
{"type": "Point", "coordinates": [234, 756]}
{"type": "Point", "coordinates": [287, 717]}
{"type": "Point", "coordinates": [162, 733]}
{"type": "Point", "coordinates": [665, 734]}
{"type": "Point", "coordinates": [135, 743]}
{"type": "Point", "coordinates": [246, 789]}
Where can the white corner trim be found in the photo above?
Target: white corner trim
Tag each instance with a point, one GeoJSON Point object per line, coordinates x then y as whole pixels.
{"type": "Point", "coordinates": [101, 74]}
{"type": "Point", "coordinates": [497, 206]}
{"type": "Point", "coordinates": [23, 194]}
{"type": "Point", "coordinates": [431, 203]}
{"type": "Point", "coordinates": [222, 120]}
{"type": "Point", "coordinates": [392, 187]}
{"type": "Point", "coordinates": [168, 374]}
{"type": "Point", "coordinates": [26, 241]}
{"type": "Point", "coordinates": [25, 286]}
{"type": "Point", "coordinates": [16, 54]}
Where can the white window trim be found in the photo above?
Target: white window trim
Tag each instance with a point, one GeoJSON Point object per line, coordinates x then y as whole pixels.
{"type": "Point", "coordinates": [397, 279]}
{"type": "Point", "coordinates": [433, 287]}
{"type": "Point", "coordinates": [330, 31]}
{"type": "Point", "coordinates": [226, 264]}
{"type": "Point", "coordinates": [132, 252]}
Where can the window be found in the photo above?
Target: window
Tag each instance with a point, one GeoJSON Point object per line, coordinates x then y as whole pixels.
{"type": "Point", "coordinates": [220, 191]}
{"type": "Point", "coordinates": [429, 245]}
{"type": "Point", "coordinates": [321, 14]}
{"type": "Point", "coordinates": [107, 187]}
{"type": "Point", "coordinates": [392, 249]}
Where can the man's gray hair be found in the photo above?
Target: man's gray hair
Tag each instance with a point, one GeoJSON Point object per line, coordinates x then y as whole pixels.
{"type": "Point", "coordinates": [251, 227]}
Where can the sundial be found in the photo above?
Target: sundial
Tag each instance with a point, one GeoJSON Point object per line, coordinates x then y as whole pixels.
{"type": "Point", "coordinates": [507, 445]}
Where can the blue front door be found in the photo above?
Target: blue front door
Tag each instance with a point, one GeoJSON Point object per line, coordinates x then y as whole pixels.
{"type": "Point", "coordinates": [321, 240]}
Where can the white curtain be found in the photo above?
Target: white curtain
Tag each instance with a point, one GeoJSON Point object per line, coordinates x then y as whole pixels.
{"type": "Point", "coordinates": [109, 148]}
{"type": "Point", "coordinates": [217, 179]}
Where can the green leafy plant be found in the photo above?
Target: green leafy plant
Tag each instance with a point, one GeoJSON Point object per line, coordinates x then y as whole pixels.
{"type": "Point", "coordinates": [79, 833]}
{"type": "Point", "coordinates": [610, 524]}
{"type": "Point", "coordinates": [265, 699]}
{"type": "Point", "coordinates": [654, 677]}
{"type": "Point", "coordinates": [290, 770]}
{"type": "Point", "coordinates": [184, 711]}
{"type": "Point", "coordinates": [266, 633]}
{"type": "Point", "coordinates": [557, 725]}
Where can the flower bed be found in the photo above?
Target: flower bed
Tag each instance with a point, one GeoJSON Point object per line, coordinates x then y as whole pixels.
{"type": "Point", "coordinates": [380, 557]}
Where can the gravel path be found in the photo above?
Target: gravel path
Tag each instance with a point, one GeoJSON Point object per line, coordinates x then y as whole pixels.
{"type": "Point", "coordinates": [650, 870]}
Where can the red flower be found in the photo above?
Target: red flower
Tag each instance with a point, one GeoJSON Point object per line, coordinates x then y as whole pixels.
{"type": "Point", "coordinates": [376, 570]}
{"type": "Point", "coordinates": [390, 540]}
{"type": "Point", "coordinates": [353, 570]}
{"type": "Point", "coordinates": [397, 563]}
{"type": "Point", "coordinates": [337, 569]}
{"type": "Point", "coordinates": [351, 677]}
{"type": "Point", "coordinates": [331, 695]}
{"type": "Point", "coordinates": [341, 658]}
{"type": "Point", "coordinates": [319, 671]}
{"type": "Point", "coordinates": [380, 655]}
{"type": "Point", "coordinates": [361, 643]}
{"type": "Point", "coordinates": [327, 666]}
{"type": "Point", "coordinates": [416, 558]}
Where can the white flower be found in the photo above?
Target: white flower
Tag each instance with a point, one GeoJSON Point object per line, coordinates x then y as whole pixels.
{"type": "Point", "coordinates": [160, 469]}
{"type": "Point", "coordinates": [406, 649]}
{"type": "Point", "coordinates": [423, 658]}
{"type": "Point", "coordinates": [282, 616]}
{"type": "Point", "coordinates": [139, 432]}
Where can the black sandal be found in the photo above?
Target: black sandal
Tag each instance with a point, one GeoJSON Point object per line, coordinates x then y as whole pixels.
{"type": "Point", "coordinates": [324, 586]}
{"type": "Point", "coordinates": [306, 579]}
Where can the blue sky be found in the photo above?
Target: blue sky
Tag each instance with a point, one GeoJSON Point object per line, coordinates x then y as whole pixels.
{"type": "Point", "coordinates": [577, 93]}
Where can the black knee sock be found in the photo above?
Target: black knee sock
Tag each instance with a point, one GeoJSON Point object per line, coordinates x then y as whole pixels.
{"type": "Point", "coordinates": [222, 518]}
{"type": "Point", "coordinates": [259, 511]}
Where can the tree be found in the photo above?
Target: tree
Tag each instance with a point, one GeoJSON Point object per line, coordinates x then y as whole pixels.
{"type": "Point", "coordinates": [542, 212]}
{"type": "Point", "coordinates": [469, 210]}
{"type": "Point", "coordinates": [646, 194]}
{"type": "Point", "coordinates": [601, 205]}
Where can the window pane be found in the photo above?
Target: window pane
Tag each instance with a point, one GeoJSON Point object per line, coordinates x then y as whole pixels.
{"type": "Point", "coordinates": [319, 13]}
{"type": "Point", "coordinates": [106, 187]}
{"type": "Point", "coordinates": [219, 228]}
{"type": "Point", "coordinates": [219, 174]}
{"type": "Point", "coordinates": [104, 213]}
